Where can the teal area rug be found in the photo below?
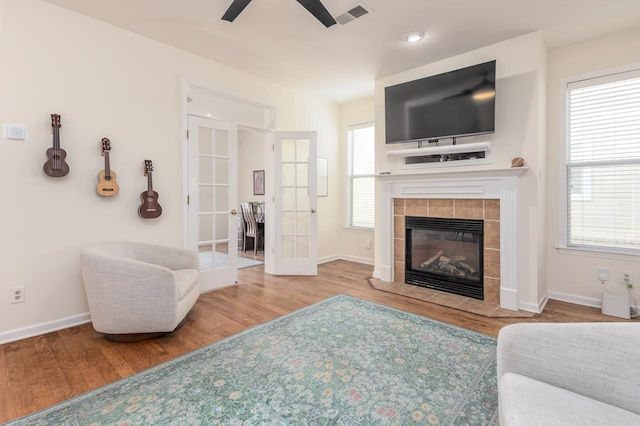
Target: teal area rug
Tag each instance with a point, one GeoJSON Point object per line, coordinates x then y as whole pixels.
{"type": "Point", "coordinates": [222, 260]}
{"type": "Point", "coordinates": [343, 361]}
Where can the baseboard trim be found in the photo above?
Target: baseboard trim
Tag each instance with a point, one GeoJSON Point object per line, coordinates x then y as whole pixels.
{"type": "Point", "coordinates": [327, 259]}
{"type": "Point", "coordinates": [576, 300]}
{"type": "Point", "coordinates": [60, 324]}
{"type": "Point", "coordinates": [356, 259]}
{"type": "Point", "coordinates": [509, 299]}
{"type": "Point", "coordinates": [346, 257]}
{"type": "Point", "coordinates": [543, 302]}
{"type": "Point", "coordinates": [533, 307]}
{"type": "Point", "coordinates": [43, 328]}
{"type": "Point", "coordinates": [529, 307]}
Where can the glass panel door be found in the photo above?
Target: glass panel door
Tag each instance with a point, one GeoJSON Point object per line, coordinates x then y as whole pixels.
{"type": "Point", "coordinates": [295, 196]}
{"type": "Point", "coordinates": [212, 193]}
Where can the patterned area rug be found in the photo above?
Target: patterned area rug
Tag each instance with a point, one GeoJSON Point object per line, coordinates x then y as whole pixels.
{"type": "Point", "coordinates": [222, 260]}
{"type": "Point", "coordinates": [343, 361]}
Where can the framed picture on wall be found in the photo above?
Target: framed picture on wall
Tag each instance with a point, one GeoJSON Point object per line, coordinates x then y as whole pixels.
{"type": "Point", "coordinates": [258, 182]}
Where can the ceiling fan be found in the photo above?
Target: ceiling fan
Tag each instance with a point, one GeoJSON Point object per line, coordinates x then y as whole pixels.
{"type": "Point", "coordinates": [315, 7]}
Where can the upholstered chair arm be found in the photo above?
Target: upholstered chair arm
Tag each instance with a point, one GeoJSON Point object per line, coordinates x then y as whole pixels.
{"type": "Point", "coordinates": [169, 257]}
{"type": "Point", "coordinates": [597, 360]}
{"type": "Point", "coordinates": [126, 291]}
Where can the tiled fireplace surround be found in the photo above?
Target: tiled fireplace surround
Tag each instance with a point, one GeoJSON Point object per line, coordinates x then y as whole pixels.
{"type": "Point", "coordinates": [486, 194]}
{"type": "Point", "coordinates": [488, 210]}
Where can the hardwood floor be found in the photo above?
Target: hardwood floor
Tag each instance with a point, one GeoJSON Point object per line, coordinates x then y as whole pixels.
{"type": "Point", "coordinates": [44, 370]}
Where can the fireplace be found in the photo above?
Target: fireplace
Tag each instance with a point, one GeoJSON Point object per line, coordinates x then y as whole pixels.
{"type": "Point", "coordinates": [445, 254]}
{"type": "Point", "coordinates": [488, 194]}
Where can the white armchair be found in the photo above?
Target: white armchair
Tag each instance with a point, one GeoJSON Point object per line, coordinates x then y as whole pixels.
{"type": "Point", "coordinates": [569, 374]}
{"type": "Point", "coordinates": [138, 291]}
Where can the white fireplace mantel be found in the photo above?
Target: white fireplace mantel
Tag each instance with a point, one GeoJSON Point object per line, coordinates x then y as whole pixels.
{"type": "Point", "coordinates": [499, 184]}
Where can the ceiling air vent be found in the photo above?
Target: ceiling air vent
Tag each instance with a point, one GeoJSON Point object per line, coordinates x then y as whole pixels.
{"type": "Point", "coordinates": [356, 11]}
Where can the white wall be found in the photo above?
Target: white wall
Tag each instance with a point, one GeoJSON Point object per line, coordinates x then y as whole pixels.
{"type": "Point", "coordinates": [572, 277]}
{"type": "Point", "coordinates": [354, 241]}
{"type": "Point", "coordinates": [250, 159]}
{"type": "Point", "coordinates": [520, 124]}
{"type": "Point", "coordinates": [104, 82]}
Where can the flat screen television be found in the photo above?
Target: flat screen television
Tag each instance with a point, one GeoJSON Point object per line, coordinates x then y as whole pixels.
{"type": "Point", "coordinates": [454, 104]}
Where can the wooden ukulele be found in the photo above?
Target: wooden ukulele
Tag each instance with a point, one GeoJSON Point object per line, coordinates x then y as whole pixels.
{"type": "Point", "coordinates": [149, 209]}
{"type": "Point", "coordinates": [107, 186]}
{"type": "Point", "coordinates": [55, 165]}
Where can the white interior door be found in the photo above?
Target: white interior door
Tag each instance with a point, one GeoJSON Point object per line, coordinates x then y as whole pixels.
{"type": "Point", "coordinates": [213, 176]}
{"type": "Point", "coordinates": [295, 204]}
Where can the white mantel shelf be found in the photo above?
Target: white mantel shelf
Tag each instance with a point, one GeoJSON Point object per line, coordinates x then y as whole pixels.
{"type": "Point", "coordinates": [501, 184]}
{"type": "Point", "coordinates": [454, 174]}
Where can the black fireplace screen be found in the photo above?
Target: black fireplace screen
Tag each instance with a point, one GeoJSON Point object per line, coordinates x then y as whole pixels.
{"type": "Point", "coordinates": [445, 254]}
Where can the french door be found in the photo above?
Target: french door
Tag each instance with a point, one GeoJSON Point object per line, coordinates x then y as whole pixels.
{"type": "Point", "coordinates": [295, 204]}
{"type": "Point", "coordinates": [212, 201]}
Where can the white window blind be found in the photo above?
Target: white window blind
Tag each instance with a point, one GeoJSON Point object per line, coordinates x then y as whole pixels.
{"type": "Point", "coordinates": [603, 163]}
{"type": "Point", "coordinates": [361, 180]}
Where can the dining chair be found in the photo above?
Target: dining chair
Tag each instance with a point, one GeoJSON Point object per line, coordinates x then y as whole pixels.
{"type": "Point", "coordinates": [251, 228]}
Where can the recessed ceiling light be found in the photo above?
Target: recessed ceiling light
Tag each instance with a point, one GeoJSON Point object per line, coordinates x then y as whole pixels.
{"type": "Point", "coordinates": [414, 36]}
{"type": "Point", "coordinates": [209, 115]}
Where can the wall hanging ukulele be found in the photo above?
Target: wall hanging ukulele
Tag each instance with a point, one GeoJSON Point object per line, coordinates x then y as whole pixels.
{"type": "Point", "coordinates": [149, 208]}
{"type": "Point", "coordinates": [107, 186]}
{"type": "Point", "coordinates": [55, 165]}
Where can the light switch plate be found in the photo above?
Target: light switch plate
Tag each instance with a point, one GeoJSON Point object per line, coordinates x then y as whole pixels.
{"type": "Point", "coordinates": [15, 132]}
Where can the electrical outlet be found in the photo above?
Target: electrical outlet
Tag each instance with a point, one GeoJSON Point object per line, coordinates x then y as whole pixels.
{"type": "Point", "coordinates": [17, 294]}
{"type": "Point", "coordinates": [367, 244]}
{"type": "Point", "coordinates": [627, 278]}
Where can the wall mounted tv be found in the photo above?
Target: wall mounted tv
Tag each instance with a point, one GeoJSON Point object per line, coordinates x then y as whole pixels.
{"type": "Point", "coordinates": [454, 104]}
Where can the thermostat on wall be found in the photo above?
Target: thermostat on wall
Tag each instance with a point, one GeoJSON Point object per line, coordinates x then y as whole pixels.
{"type": "Point", "coordinates": [12, 131]}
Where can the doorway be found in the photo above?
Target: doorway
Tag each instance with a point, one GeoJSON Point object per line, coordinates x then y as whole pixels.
{"type": "Point", "coordinates": [287, 250]}
{"type": "Point", "coordinates": [215, 120]}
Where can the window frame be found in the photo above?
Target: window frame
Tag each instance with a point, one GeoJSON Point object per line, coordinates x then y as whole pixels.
{"type": "Point", "coordinates": [348, 177]}
{"type": "Point", "coordinates": [611, 74]}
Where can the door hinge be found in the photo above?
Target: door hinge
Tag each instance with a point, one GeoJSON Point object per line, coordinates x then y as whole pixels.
{"type": "Point", "coordinates": [273, 148]}
{"type": "Point", "coordinates": [188, 199]}
{"type": "Point", "coordinates": [187, 134]}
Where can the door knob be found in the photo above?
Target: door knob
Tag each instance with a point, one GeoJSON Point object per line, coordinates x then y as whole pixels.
{"type": "Point", "coordinates": [313, 210]}
{"type": "Point", "coordinates": [234, 212]}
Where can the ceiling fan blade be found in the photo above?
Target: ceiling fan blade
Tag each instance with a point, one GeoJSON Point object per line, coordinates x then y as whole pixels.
{"type": "Point", "coordinates": [234, 10]}
{"type": "Point", "coordinates": [319, 11]}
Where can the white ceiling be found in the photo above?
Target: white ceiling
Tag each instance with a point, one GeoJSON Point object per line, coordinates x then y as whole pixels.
{"type": "Point", "coordinates": [280, 41]}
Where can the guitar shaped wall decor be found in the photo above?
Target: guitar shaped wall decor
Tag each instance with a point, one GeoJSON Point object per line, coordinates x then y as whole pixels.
{"type": "Point", "coordinates": [149, 209]}
{"type": "Point", "coordinates": [107, 186]}
{"type": "Point", "coordinates": [55, 165]}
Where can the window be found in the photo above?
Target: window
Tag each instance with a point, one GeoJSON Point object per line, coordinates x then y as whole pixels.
{"type": "Point", "coordinates": [361, 180]}
{"type": "Point", "coordinates": [603, 163]}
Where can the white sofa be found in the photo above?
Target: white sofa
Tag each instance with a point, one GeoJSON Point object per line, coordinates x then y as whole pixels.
{"type": "Point", "coordinates": [138, 291]}
{"type": "Point", "coordinates": [569, 374]}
